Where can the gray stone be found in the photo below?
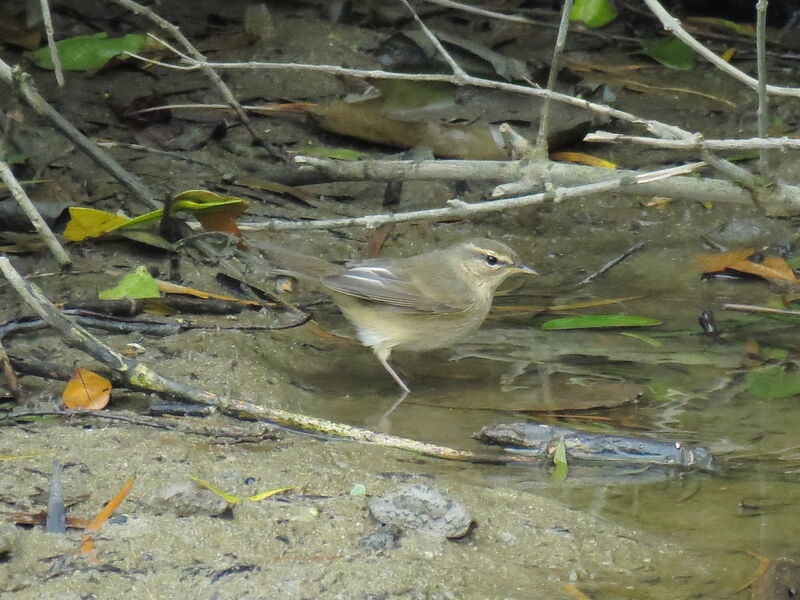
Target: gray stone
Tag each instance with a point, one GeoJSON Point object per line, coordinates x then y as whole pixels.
{"type": "Point", "coordinates": [185, 499]}
{"type": "Point", "coordinates": [421, 508]}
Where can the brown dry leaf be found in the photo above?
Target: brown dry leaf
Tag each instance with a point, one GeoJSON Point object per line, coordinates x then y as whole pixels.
{"type": "Point", "coordinates": [173, 288]}
{"type": "Point", "coordinates": [772, 267]}
{"type": "Point", "coordinates": [304, 196]}
{"type": "Point", "coordinates": [579, 65]}
{"type": "Point", "coordinates": [87, 542]}
{"type": "Point", "coordinates": [583, 159]}
{"type": "Point", "coordinates": [86, 390]}
{"type": "Point", "coordinates": [222, 219]}
{"type": "Point", "coordinates": [368, 120]}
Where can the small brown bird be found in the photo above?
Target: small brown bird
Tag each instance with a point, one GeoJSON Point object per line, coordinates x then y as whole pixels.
{"type": "Point", "coordinates": [422, 302]}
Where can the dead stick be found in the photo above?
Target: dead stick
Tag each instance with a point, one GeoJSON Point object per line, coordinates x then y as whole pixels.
{"type": "Point", "coordinates": [24, 202]}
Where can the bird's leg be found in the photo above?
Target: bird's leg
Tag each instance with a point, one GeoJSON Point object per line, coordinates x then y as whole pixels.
{"type": "Point", "coordinates": [385, 362]}
{"type": "Point", "coordinates": [391, 409]}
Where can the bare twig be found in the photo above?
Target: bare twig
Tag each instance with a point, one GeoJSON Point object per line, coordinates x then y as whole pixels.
{"type": "Point", "coordinates": [33, 215]}
{"type": "Point", "coordinates": [751, 308]}
{"type": "Point", "coordinates": [51, 42]}
{"type": "Point", "coordinates": [140, 376]}
{"type": "Point", "coordinates": [227, 94]}
{"type": "Point", "coordinates": [260, 432]}
{"type": "Point", "coordinates": [21, 82]}
{"type": "Point", "coordinates": [558, 49]}
{"type": "Point", "coordinates": [698, 142]}
{"type": "Point", "coordinates": [673, 25]}
{"type": "Point", "coordinates": [458, 72]}
{"type": "Point", "coordinates": [783, 201]}
{"type": "Point", "coordinates": [460, 209]}
{"type": "Point", "coordinates": [763, 98]}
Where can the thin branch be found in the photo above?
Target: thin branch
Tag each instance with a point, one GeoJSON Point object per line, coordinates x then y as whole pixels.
{"type": "Point", "coordinates": [783, 200]}
{"type": "Point", "coordinates": [21, 82]}
{"type": "Point", "coordinates": [698, 142]}
{"type": "Point", "coordinates": [558, 50]}
{"type": "Point", "coordinates": [763, 98]}
{"type": "Point", "coordinates": [655, 127]}
{"type": "Point", "coordinates": [51, 42]}
{"type": "Point", "coordinates": [456, 68]}
{"type": "Point", "coordinates": [24, 202]}
{"type": "Point", "coordinates": [227, 94]}
{"type": "Point", "coordinates": [140, 376]}
{"type": "Point", "coordinates": [459, 209]}
{"type": "Point", "coordinates": [751, 308]}
{"type": "Point", "coordinates": [673, 25]}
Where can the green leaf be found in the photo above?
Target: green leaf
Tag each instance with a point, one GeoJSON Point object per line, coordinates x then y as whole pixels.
{"type": "Point", "coordinates": [560, 461]}
{"type": "Point", "coordinates": [139, 284]}
{"type": "Point", "coordinates": [89, 52]}
{"type": "Point", "coordinates": [593, 321]}
{"type": "Point", "coordinates": [774, 382]}
{"type": "Point", "coordinates": [593, 13]}
{"type": "Point", "coordinates": [197, 201]}
{"type": "Point", "coordinates": [17, 159]}
{"type": "Point", "coordinates": [793, 262]}
{"type": "Point", "coordinates": [359, 489]}
{"type": "Point", "coordinates": [670, 52]}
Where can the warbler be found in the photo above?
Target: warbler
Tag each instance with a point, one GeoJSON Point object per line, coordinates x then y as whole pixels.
{"type": "Point", "coordinates": [417, 303]}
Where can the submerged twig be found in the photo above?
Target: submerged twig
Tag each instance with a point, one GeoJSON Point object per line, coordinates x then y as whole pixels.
{"type": "Point", "coordinates": [613, 262]}
{"type": "Point", "coordinates": [752, 308]}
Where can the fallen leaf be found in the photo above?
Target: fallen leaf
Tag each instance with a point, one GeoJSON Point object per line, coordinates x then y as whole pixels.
{"type": "Point", "coordinates": [86, 390]}
{"type": "Point", "coordinates": [772, 267]}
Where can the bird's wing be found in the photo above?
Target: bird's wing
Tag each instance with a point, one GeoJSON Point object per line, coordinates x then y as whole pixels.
{"type": "Point", "coordinates": [381, 285]}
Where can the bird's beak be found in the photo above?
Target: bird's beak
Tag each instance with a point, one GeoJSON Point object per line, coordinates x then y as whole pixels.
{"type": "Point", "coordinates": [520, 268]}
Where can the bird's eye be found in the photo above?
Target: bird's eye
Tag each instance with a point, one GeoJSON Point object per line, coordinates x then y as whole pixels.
{"type": "Point", "coordinates": [491, 260]}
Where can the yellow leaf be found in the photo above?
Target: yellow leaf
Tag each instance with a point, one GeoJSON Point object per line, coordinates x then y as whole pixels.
{"type": "Point", "coordinates": [263, 495]}
{"type": "Point", "coordinates": [90, 222]}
